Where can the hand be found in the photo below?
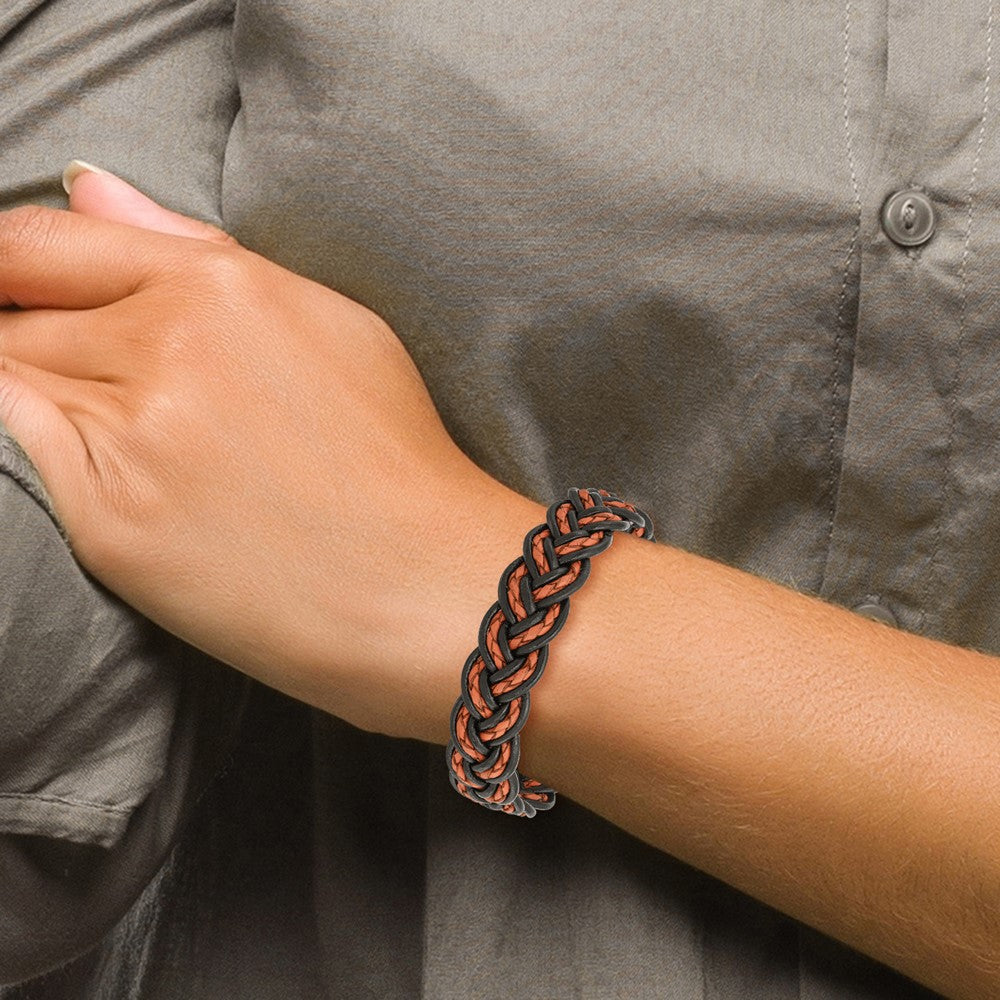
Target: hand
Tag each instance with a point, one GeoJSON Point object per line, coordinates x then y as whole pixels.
{"type": "Point", "coordinates": [249, 458]}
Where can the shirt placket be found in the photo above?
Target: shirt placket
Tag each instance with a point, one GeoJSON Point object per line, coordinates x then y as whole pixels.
{"type": "Point", "coordinates": [892, 536]}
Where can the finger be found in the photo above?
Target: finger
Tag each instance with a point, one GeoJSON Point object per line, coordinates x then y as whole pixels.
{"type": "Point", "coordinates": [62, 342]}
{"type": "Point", "coordinates": [50, 257]}
{"type": "Point", "coordinates": [101, 195]}
{"type": "Point", "coordinates": [67, 394]}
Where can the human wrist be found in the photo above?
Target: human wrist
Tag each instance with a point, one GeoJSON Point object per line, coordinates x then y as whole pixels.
{"type": "Point", "coordinates": [431, 622]}
{"type": "Point", "coordinates": [512, 647]}
{"type": "Point", "coordinates": [574, 706]}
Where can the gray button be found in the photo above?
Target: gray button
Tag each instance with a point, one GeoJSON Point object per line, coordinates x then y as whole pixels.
{"type": "Point", "coordinates": [908, 218]}
{"type": "Point", "coordinates": [876, 612]}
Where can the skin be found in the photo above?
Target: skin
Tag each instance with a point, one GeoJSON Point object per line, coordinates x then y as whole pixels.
{"type": "Point", "coordinates": [253, 461]}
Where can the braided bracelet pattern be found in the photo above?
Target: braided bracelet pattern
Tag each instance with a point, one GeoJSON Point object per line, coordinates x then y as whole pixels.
{"type": "Point", "coordinates": [534, 593]}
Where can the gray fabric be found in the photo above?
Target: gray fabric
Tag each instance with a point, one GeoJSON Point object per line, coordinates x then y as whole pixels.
{"type": "Point", "coordinates": [55, 778]}
{"type": "Point", "coordinates": [635, 246]}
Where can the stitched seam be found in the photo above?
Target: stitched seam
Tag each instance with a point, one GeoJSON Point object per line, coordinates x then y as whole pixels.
{"type": "Point", "coordinates": [56, 800]}
{"type": "Point", "coordinates": [836, 384]}
{"type": "Point", "coordinates": [946, 493]}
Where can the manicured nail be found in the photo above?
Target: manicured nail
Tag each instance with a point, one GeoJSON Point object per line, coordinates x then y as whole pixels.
{"type": "Point", "coordinates": [74, 169]}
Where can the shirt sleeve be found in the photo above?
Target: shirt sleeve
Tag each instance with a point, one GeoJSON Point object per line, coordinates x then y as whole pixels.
{"type": "Point", "coordinates": [110, 730]}
{"type": "Point", "coordinates": [86, 700]}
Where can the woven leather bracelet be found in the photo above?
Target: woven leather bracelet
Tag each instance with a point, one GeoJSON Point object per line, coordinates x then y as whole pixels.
{"type": "Point", "coordinates": [534, 593]}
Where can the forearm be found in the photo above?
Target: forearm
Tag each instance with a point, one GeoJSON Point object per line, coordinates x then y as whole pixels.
{"type": "Point", "coordinates": [842, 771]}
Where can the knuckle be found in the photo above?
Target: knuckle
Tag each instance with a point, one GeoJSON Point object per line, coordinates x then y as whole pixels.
{"type": "Point", "coordinates": [206, 285]}
{"type": "Point", "coordinates": [206, 272]}
{"type": "Point", "coordinates": [8, 366]}
{"type": "Point", "coordinates": [26, 228]}
{"type": "Point", "coordinates": [223, 271]}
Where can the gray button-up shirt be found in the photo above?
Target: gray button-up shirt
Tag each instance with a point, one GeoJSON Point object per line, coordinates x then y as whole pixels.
{"type": "Point", "coordinates": [667, 216]}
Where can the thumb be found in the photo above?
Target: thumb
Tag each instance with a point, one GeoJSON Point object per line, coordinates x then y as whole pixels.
{"type": "Point", "coordinates": [97, 193]}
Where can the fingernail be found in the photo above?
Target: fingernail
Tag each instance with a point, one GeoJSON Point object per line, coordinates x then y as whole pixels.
{"type": "Point", "coordinates": [73, 170]}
